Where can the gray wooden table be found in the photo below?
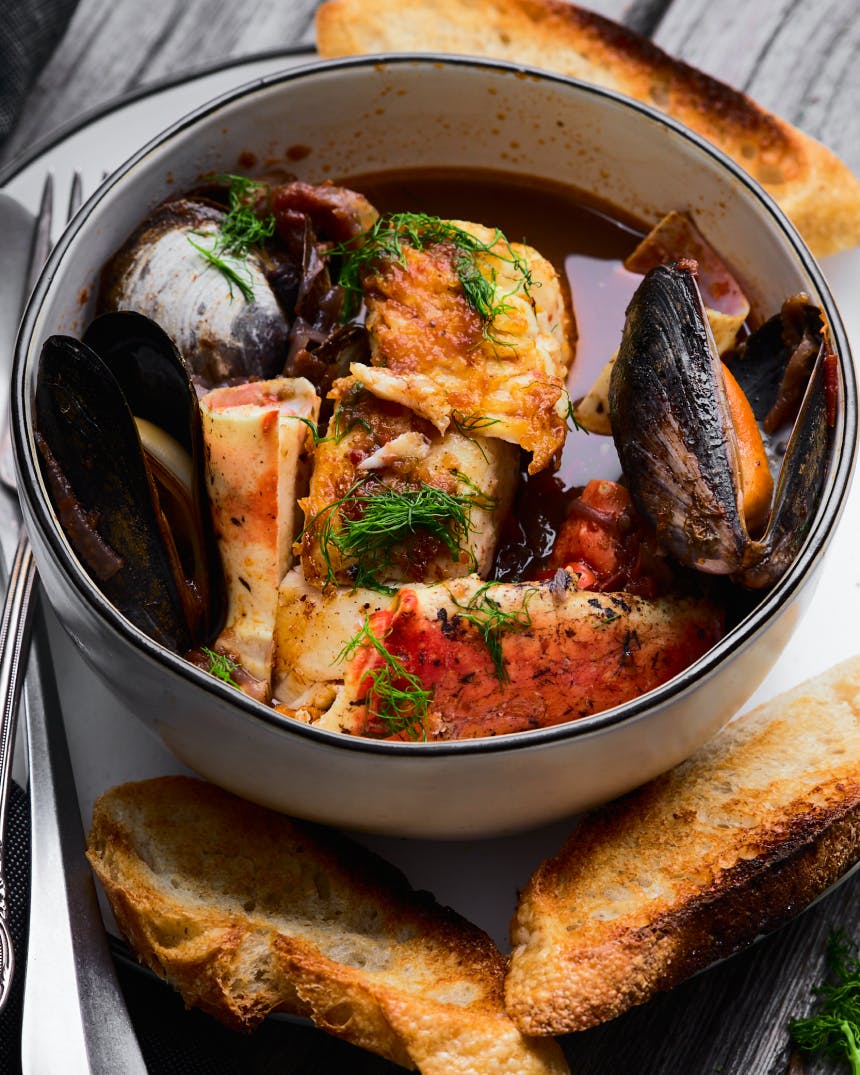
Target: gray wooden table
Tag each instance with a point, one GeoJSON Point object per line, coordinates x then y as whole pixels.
{"type": "Point", "coordinates": [797, 59]}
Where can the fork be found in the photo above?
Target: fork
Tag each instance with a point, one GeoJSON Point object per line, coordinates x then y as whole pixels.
{"type": "Point", "coordinates": [70, 975]}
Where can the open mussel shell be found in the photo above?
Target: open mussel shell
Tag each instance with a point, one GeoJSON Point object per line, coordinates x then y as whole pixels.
{"type": "Point", "coordinates": [151, 374]}
{"type": "Point", "coordinates": [671, 427]}
{"type": "Point", "coordinates": [801, 476]}
{"type": "Point", "coordinates": [162, 271]}
{"type": "Point", "coordinates": [143, 532]}
{"type": "Point", "coordinates": [156, 384]}
{"type": "Point", "coordinates": [774, 364]}
{"type": "Point", "coordinates": [675, 438]}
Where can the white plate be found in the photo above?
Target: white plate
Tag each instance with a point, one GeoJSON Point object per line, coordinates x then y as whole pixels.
{"type": "Point", "coordinates": [480, 879]}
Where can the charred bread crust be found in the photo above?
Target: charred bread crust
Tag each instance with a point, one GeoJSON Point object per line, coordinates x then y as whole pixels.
{"type": "Point", "coordinates": [813, 186]}
{"type": "Point", "coordinates": [696, 865]}
{"type": "Point", "coordinates": [246, 912]}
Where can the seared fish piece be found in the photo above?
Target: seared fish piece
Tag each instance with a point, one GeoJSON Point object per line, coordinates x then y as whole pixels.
{"type": "Point", "coordinates": [468, 326]}
{"type": "Point", "coordinates": [312, 629]}
{"type": "Point", "coordinates": [468, 659]}
{"type": "Point", "coordinates": [393, 500]}
{"type": "Point", "coordinates": [255, 436]}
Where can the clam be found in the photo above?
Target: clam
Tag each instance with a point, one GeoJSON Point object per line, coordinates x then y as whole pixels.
{"type": "Point", "coordinates": [118, 432]}
{"type": "Point", "coordinates": [220, 310]}
{"type": "Point", "coordinates": [689, 464]}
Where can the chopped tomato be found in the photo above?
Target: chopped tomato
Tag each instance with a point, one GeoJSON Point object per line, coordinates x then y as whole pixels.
{"type": "Point", "coordinates": [609, 545]}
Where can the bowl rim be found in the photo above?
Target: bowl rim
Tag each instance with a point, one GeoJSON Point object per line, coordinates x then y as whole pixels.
{"type": "Point", "coordinates": [695, 675]}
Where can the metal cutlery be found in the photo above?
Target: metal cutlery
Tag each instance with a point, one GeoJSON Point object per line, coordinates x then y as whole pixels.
{"type": "Point", "coordinates": [70, 977]}
{"type": "Point", "coordinates": [16, 615]}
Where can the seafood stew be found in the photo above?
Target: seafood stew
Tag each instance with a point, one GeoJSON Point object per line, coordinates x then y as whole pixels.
{"type": "Point", "coordinates": [397, 520]}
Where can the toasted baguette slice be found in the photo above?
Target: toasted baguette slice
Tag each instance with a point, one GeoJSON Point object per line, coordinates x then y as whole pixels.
{"type": "Point", "coordinates": [695, 865]}
{"type": "Point", "coordinates": [817, 191]}
{"type": "Point", "coordinates": [246, 912]}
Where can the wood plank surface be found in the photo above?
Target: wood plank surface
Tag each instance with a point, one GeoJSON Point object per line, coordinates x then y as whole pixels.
{"type": "Point", "coordinates": [796, 58]}
{"type": "Point", "coordinates": [114, 46]}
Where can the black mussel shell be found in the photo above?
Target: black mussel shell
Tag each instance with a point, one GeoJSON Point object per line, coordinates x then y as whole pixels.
{"type": "Point", "coordinates": [674, 435]}
{"type": "Point", "coordinates": [800, 483]}
{"type": "Point", "coordinates": [773, 365]}
{"type": "Point", "coordinates": [156, 384]}
{"type": "Point", "coordinates": [670, 424]}
{"type": "Point", "coordinates": [150, 372]}
{"type": "Point", "coordinates": [167, 581]}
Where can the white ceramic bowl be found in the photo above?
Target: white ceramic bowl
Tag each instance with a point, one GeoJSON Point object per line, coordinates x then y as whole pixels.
{"type": "Point", "coordinates": [375, 114]}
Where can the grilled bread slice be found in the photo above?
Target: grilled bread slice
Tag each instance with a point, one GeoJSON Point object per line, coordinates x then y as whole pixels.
{"type": "Point", "coordinates": [695, 865]}
{"type": "Point", "coordinates": [817, 191]}
{"type": "Point", "coordinates": [246, 912]}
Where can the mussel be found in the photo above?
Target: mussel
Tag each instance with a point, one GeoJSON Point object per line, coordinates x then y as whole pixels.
{"type": "Point", "coordinates": [118, 432]}
{"type": "Point", "coordinates": [675, 430]}
{"type": "Point", "coordinates": [226, 322]}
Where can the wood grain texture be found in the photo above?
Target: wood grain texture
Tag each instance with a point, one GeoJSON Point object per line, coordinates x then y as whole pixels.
{"type": "Point", "coordinates": [114, 46]}
{"type": "Point", "coordinates": [797, 59]}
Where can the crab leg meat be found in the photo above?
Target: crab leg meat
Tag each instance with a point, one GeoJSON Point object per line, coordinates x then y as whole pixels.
{"type": "Point", "coordinates": [255, 436]}
{"type": "Point", "coordinates": [514, 656]}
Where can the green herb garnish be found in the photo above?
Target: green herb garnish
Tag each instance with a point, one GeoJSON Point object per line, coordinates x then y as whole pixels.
{"type": "Point", "coordinates": [345, 418]}
{"type": "Point", "coordinates": [233, 271]}
{"type": "Point", "coordinates": [367, 525]}
{"type": "Point", "coordinates": [337, 434]}
{"type": "Point", "coordinates": [395, 696]}
{"type": "Point", "coordinates": [835, 1028]}
{"type": "Point", "coordinates": [239, 229]}
{"type": "Point", "coordinates": [471, 426]}
{"type": "Point", "coordinates": [313, 428]}
{"type": "Point", "coordinates": [221, 666]}
{"type": "Point", "coordinates": [385, 241]}
{"type": "Point", "coordinates": [339, 430]}
{"type": "Point", "coordinates": [570, 416]}
{"type": "Point", "coordinates": [492, 621]}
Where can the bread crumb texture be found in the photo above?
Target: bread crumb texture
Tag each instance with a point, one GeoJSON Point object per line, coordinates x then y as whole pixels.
{"type": "Point", "coordinates": [695, 865]}
{"type": "Point", "coordinates": [817, 191]}
{"type": "Point", "coordinates": [246, 912]}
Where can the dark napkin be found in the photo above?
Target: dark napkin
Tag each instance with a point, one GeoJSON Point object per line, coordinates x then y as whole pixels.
{"type": "Point", "coordinates": [179, 1042]}
{"type": "Point", "coordinates": [29, 32]}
